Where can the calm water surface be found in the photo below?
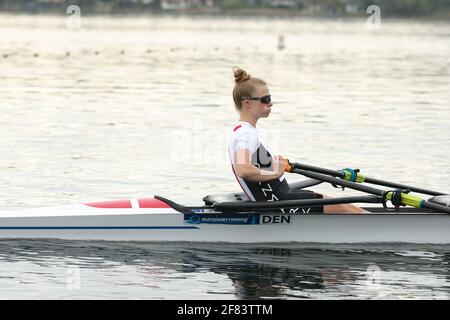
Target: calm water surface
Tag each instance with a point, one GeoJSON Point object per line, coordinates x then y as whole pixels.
{"type": "Point", "coordinates": [131, 107]}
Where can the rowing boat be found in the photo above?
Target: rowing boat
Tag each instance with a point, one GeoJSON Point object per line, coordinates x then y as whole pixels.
{"type": "Point", "coordinates": [158, 219]}
{"type": "Point", "coordinates": [233, 218]}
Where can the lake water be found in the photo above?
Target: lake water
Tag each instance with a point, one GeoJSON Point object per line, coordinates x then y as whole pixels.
{"type": "Point", "coordinates": [128, 107]}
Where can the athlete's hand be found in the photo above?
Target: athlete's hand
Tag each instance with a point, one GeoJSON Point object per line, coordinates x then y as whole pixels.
{"type": "Point", "coordinates": [279, 165]}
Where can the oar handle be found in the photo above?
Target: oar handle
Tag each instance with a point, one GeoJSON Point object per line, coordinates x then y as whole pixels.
{"type": "Point", "coordinates": [288, 167]}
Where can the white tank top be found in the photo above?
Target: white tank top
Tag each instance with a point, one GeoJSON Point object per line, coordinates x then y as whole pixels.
{"type": "Point", "coordinates": [246, 136]}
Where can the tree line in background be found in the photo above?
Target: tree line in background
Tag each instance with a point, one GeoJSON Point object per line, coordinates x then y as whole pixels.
{"type": "Point", "coordinates": [308, 7]}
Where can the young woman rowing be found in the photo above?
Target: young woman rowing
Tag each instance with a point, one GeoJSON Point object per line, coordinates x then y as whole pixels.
{"type": "Point", "coordinates": [259, 173]}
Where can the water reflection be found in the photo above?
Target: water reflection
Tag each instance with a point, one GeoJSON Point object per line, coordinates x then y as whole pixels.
{"type": "Point", "coordinates": [236, 270]}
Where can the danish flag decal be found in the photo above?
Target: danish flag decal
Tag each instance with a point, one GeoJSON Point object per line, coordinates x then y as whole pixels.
{"type": "Point", "coordinates": [129, 204]}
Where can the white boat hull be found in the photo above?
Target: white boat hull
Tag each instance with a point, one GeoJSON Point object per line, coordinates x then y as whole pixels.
{"type": "Point", "coordinates": [83, 222]}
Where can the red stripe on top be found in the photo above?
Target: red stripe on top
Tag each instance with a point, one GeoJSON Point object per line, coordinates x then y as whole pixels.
{"type": "Point", "coordinates": [237, 127]}
{"type": "Point", "coordinates": [152, 203]}
{"type": "Point", "coordinates": [115, 204]}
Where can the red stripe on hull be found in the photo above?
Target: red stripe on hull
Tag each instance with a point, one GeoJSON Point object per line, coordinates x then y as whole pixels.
{"type": "Point", "coordinates": [126, 204]}
{"type": "Point", "coordinates": [115, 204]}
{"type": "Point", "coordinates": [152, 203]}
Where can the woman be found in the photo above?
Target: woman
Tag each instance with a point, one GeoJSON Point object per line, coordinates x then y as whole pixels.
{"type": "Point", "coordinates": [260, 174]}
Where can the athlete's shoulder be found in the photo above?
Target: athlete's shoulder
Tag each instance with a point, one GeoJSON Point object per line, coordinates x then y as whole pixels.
{"type": "Point", "coordinates": [237, 127]}
{"type": "Point", "coordinates": [241, 128]}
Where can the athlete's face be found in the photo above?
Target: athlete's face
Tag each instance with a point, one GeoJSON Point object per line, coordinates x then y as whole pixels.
{"type": "Point", "coordinates": [258, 108]}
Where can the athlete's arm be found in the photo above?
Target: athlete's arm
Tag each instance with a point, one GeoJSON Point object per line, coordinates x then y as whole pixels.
{"type": "Point", "coordinates": [246, 170]}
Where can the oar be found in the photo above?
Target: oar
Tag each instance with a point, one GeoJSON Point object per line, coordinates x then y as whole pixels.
{"type": "Point", "coordinates": [305, 203]}
{"type": "Point", "coordinates": [396, 197]}
{"type": "Point", "coordinates": [355, 176]}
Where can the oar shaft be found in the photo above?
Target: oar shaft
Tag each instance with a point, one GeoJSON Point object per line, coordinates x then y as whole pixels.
{"type": "Point", "coordinates": [435, 206]}
{"type": "Point", "coordinates": [334, 173]}
{"type": "Point", "coordinates": [340, 182]}
{"type": "Point", "coordinates": [402, 186]}
{"type": "Point", "coordinates": [374, 191]}
{"type": "Point", "coordinates": [342, 175]}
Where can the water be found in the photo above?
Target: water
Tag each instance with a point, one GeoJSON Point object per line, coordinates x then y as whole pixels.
{"type": "Point", "coordinates": [136, 106]}
{"type": "Point", "coordinates": [102, 270]}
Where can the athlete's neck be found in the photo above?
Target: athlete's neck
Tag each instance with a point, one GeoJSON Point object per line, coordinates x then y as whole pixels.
{"type": "Point", "coordinates": [248, 119]}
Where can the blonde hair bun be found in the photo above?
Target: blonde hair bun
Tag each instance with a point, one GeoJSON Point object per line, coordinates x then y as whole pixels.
{"type": "Point", "coordinates": [240, 75]}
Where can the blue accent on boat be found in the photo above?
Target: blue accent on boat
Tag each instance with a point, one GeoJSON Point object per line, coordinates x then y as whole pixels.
{"type": "Point", "coordinates": [222, 218]}
{"type": "Point", "coordinates": [98, 228]}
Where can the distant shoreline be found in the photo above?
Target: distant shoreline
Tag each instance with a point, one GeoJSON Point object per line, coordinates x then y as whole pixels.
{"type": "Point", "coordinates": [241, 13]}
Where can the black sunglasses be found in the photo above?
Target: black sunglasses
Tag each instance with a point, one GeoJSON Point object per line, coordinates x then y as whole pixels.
{"type": "Point", "coordinates": [265, 99]}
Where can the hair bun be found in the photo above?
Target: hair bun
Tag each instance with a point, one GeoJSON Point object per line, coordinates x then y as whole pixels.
{"type": "Point", "coordinates": [240, 75]}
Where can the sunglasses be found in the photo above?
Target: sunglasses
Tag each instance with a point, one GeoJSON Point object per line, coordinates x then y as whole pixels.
{"type": "Point", "coordinates": [265, 99]}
